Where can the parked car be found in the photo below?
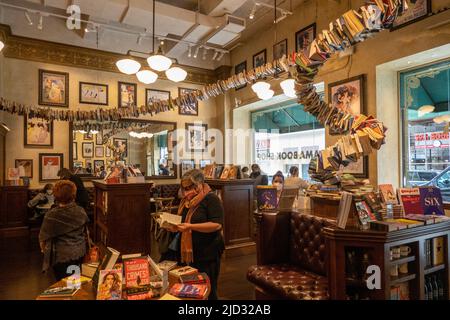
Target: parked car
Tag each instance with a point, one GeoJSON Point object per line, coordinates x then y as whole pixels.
{"type": "Point", "coordinates": [442, 181]}
{"type": "Point", "coordinates": [417, 178]}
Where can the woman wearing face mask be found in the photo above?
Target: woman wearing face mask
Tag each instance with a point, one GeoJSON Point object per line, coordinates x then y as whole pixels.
{"type": "Point", "coordinates": [201, 242]}
{"type": "Point", "coordinates": [278, 182]}
{"type": "Point", "coordinates": [45, 196]}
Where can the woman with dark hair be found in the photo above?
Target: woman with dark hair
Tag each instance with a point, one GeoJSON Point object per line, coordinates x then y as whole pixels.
{"type": "Point", "coordinates": [278, 182]}
{"type": "Point", "coordinates": [82, 198]}
{"type": "Point", "coordinates": [294, 181]}
{"type": "Point", "coordinates": [62, 236]}
{"type": "Point", "coordinates": [200, 241]}
{"type": "Point", "coordinates": [44, 196]}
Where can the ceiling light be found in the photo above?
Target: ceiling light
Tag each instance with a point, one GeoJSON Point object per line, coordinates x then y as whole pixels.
{"type": "Point", "coordinates": [40, 25]}
{"type": "Point", "coordinates": [253, 12]}
{"type": "Point", "coordinates": [189, 51]}
{"type": "Point", "coordinates": [438, 120]}
{"type": "Point", "coordinates": [139, 39]}
{"type": "Point", "coordinates": [128, 66]}
{"type": "Point", "coordinates": [290, 93]}
{"type": "Point", "coordinates": [159, 62]}
{"type": "Point", "coordinates": [287, 84]}
{"type": "Point", "coordinates": [146, 76]}
{"type": "Point", "coordinates": [260, 86]}
{"type": "Point", "coordinates": [196, 52]}
{"type": "Point", "coordinates": [27, 15]}
{"type": "Point", "coordinates": [220, 56]}
{"type": "Point", "coordinates": [176, 74]}
{"type": "Point", "coordinates": [82, 131]}
{"type": "Point", "coordinates": [265, 94]}
{"type": "Point", "coordinates": [2, 45]}
{"type": "Point", "coordinates": [205, 52]}
{"type": "Point", "coordinates": [216, 53]}
{"type": "Point", "coordinates": [94, 131]}
{"type": "Point", "coordinates": [423, 110]}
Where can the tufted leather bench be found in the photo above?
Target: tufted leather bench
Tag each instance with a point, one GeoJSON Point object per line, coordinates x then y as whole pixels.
{"type": "Point", "coordinates": [167, 191]}
{"type": "Point", "coordinates": [291, 258]}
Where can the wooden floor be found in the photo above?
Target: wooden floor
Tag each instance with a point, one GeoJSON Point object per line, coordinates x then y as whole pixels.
{"type": "Point", "coordinates": [21, 277]}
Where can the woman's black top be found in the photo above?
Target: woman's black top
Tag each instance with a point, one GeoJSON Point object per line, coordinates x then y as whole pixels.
{"type": "Point", "coordinates": [82, 198]}
{"type": "Point", "coordinates": [207, 246]}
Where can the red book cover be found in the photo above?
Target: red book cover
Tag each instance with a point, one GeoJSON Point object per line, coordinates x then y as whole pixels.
{"type": "Point", "coordinates": [137, 275]}
{"type": "Point", "coordinates": [410, 199]}
{"type": "Point", "coordinates": [197, 291]}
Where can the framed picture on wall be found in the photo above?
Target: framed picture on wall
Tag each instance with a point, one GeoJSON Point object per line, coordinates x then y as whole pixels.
{"type": "Point", "coordinates": [204, 163]}
{"type": "Point", "coordinates": [187, 165]}
{"type": "Point", "coordinates": [38, 132]}
{"type": "Point", "coordinates": [25, 167]}
{"type": "Point", "coordinates": [189, 109]}
{"type": "Point", "coordinates": [241, 67]}
{"type": "Point", "coordinates": [122, 145]}
{"type": "Point", "coordinates": [152, 95]}
{"type": "Point", "coordinates": [93, 93]}
{"type": "Point", "coordinates": [78, 164]}
{"type": "Point", "coordinates": [107, 152]}
{"type": "Point", "coordinates": [75, 151]}
{"type": "Point", "coordinates": [304, 37]}
{"type": "Point", "coordinates": [196, 139]}
{"type": "Point", "coordinates": [99, 139]}
{"type": "Point", "coordinates": [99, 163]}
{"type": "Point", "coordinates": [359, 169]}
{"type": "Point", "coordinates": [53, 88]}
{"type": "Point", "coordinates": [417, 10]}
{"type": "Point", "coordinates": [260, 58]}
{"type": "Point", "coordinates": [127, 94]}
{"type": "Point", "coordinates": [87, 149]}
{"type": "Point", "coordinates": [49, 165]}
{"type": "Point", "coordinates": [99, 152]}
{"type": "Point", "coordinates": [280, 49]}
{"type": "Point", "coordinates": [348, 95]}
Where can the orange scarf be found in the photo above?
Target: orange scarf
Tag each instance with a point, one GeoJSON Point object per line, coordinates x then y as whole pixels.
{"type": "Point", "coordinates": [186, 237]}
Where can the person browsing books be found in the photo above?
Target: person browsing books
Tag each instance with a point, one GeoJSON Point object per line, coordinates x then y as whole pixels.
{"type": "Point", "coordinates": [200, 242]}
{"type": "Point", "coordinates": [260, 178]}
{"type": "Point", "coordinates": [82, 198]}
{"type": "Point", "coordinates": [62, 236]}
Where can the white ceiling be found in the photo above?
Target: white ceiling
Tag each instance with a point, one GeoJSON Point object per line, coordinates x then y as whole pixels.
{"type": "Point", "coordinates": [121, 22]}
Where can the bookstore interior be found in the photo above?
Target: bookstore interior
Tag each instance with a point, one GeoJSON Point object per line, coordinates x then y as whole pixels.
{"type": "Point", "coordinates": [225, 150]}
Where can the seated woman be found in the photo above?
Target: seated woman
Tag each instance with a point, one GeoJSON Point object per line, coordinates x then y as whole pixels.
{"type": "Point", "coordinates": [200, 242]}
{"type": "Point", "coordinates": [62, 236]}
{"type": "Point", "coordinates": [44, 196]}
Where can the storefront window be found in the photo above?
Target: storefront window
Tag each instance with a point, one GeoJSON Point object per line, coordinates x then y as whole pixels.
{"type": "Point", "coordinates": [424, 105]}
{"type": "Point", "coordinates": [286, 136]}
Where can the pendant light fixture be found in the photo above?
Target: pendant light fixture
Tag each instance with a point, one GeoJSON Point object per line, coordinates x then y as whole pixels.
{"type": "Point", "coordinates": [128, 66]}
{"type": "Point", "coordinates": [2, 45]}
{"type": "Point", "coordinates": [147, 76]}
{"type": "Point", "coordinates": [158, 61]}
{"type": "Point", "coordinates": [176, 74]}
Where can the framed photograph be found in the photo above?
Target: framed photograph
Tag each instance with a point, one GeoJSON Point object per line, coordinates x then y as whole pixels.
{"type": "Point", "coordinates": [417, 10]}
{"type": "Point", "coordinates": [359, 169]}
{"type": "Point", "coordinates": [348, 95]}
{"type": "Point", "coordinates": [204, 163]}
{"type": "Point", "coordinates": [49, 165]}
{"type": "Point", "coordinates": [122, 144]}
{"type": "Point", "coordinates": [99, 139]}
{"type": "Point", "coordinates": [155, 95]}
{"type": "Point", "coordinates": [99, 152]}
{"type": "Point", "coordinates": [241, 67]}
{"type": "Point", "coordinates": [260, 58]}
{"type": "Point", "coordinates": [304, 37]}
{"type": "Point", "coordinates": [196, 139]}
{"type": "Point", "coordinates": [280, 49]}
{"type": "Point", "coordinates": [187, 165]}
{"type": "Point", "coordinates": [78, 164]}
{"type": "Point", "coordinates": [189, 109]}
{"type": "Point", "coordinates": [88, 150]}
{"type": "Point", "coordinates": [127, 94]}
{"type": "Point", "coordinates": [88, 136]}
{"type": "Point", "coordinates": [93, 93]}
{"type": "Point", "coordinates": [25, 167]}
{"type": "Point", "coordinates": [37, 132]}
{"type": "Point", "coordinates": [75, 151]}
{"type": "Point", "coordinates": [53, 88]}
{"type": "Point", "coordinates": [99, 163]}
{"type": "Point", "coordinates": [107, 152]}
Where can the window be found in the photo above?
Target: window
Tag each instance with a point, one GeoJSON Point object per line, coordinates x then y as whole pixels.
{"type": "Point", "coordinates": [424, 107]}
{"type": "Point", "coordinates": [285, 136]}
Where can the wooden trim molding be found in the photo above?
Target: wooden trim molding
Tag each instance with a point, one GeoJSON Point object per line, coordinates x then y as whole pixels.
{"type": "Point", "coordinates": [24, 48]}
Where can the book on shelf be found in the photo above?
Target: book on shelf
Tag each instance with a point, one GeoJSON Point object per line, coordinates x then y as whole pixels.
{"type": "Point", "coordinates": [108, 262]}
{"type": "Point", "coordinates": [131, 255]}
{"type": "Point", "coordinates": [407, 222]}
{"type": "Point", "coordinates": [266, 198]}
{"type": "Point", "coordinates": [387, 193]}
{"type": "Point", "coordinates": [345, 205]}
{"type": "Point", "coordinates": [365, 214]}
{"type": "Point", "coordinates": [60, 292]}
{"type": "Point", "coordinates": [437, 251]}
{"type": "Point", "coordinates": [196, 291]}
{"type": "Point", "coordinates": [386, 226]}
{"type": "Point", "coordinates": [196, 278]}
{"type": "Point", "coordinates": [374, 203]}
{"type": "Point", "coordinates": [176, 273]}
{"type": "Point", "coordinates": [428, 259]}
{"type": "Point", "coordinates": [410, 200]}
{"type": "Point", "coordinates": [89, 269]}
{"type": "Point", "coordinates": [167, 265]}
{"type": "Point", "coordinates": [421, 217]}
{"type": "Point", "coordinates": [110, 285]}
{"type": "Point", "coordinates": [137, 275]}
{"type": "Point", "coordinates": [431, 201]}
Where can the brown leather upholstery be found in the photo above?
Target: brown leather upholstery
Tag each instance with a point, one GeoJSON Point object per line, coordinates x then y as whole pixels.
{"type": "Point", "coordinates": [291, 256]}
{"type": "Point", "coordinates": [167, 191]}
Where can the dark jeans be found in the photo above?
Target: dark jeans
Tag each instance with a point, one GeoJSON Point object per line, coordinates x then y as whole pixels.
{"type": "Point", "coordinates": [212, 269]}
{"type": "Point", "coordinates": [60, 269]}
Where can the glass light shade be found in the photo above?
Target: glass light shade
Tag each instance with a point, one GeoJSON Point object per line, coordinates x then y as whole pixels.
{"type": "Point", "coordinates": [290, 93]}
{"type": "Point", "coordinates": [438, 120]}
{"type": "Point", "coordinates": [128, 66]}
{"type": "Point", "coordinates": [425, 109]}
{"type": "Point", "coordinates": [265, 95]}
{"type": "Point", "coordinates": [287, 85]}
{"type": "Point", "coordinates": [159, 63]}
{"type": "Point", "coordinates": [82, 131]}
{"type": "Point", "coordinates": [94, 131]}
{"type": "Point", "coordinates": [260, 86]}
{"type": "Point", "coordinates": [176, 74]}
{"type": "Point", "coordinates": [2, 45]}
{"type": "Point", "coordinates": [146, 76]}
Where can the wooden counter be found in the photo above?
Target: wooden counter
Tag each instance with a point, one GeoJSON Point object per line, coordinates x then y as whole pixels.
{"type": "Point", "coordinates": [13, 210]}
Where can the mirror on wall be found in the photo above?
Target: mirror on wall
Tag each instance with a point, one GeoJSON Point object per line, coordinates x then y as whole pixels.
{"type": "Point", "coordinates": [141, 143]}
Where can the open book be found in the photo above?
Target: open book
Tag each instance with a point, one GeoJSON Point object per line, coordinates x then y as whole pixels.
{"type": "Point", "coordinates": [167, 219]}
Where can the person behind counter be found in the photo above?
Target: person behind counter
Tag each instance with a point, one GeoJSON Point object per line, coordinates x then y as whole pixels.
{"type": "Point", "coordinates": [278, 182]}
{"type": "Point", "coordinates": [82, 198]}
{"type": "Point", "coordinates": [259, 177]}
{"type": "Point", "coordinates": [294, 181]}
{"type": "Point", "coordinates": [200, 241]}
{"type": "Point", "coordinates": [245, 174]}
{"type": "Point", "coordinates": [44, 196]}
{"type": "Point", "coordinates": [62, 235]}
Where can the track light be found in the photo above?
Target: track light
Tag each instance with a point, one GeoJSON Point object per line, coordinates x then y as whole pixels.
{"type": "Point", "coordinates": [41, 19]}
{"type": "Point", "coordinates": [27, 15]}
{"type": "Point", "coordinates": [216, 53]}
{"type": "Point", "coordinates": [220, 56]}
{"type": "Point", "coordinates": [252, 13]}
{"type": "Point", "coordinates": [205, 52]}
{"type": "Point", "coordinates": [196, 52]}
{"type": "Point", "coordinates": [189, 51]}
{"type": "Point", "coordinates": [139, 39]}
